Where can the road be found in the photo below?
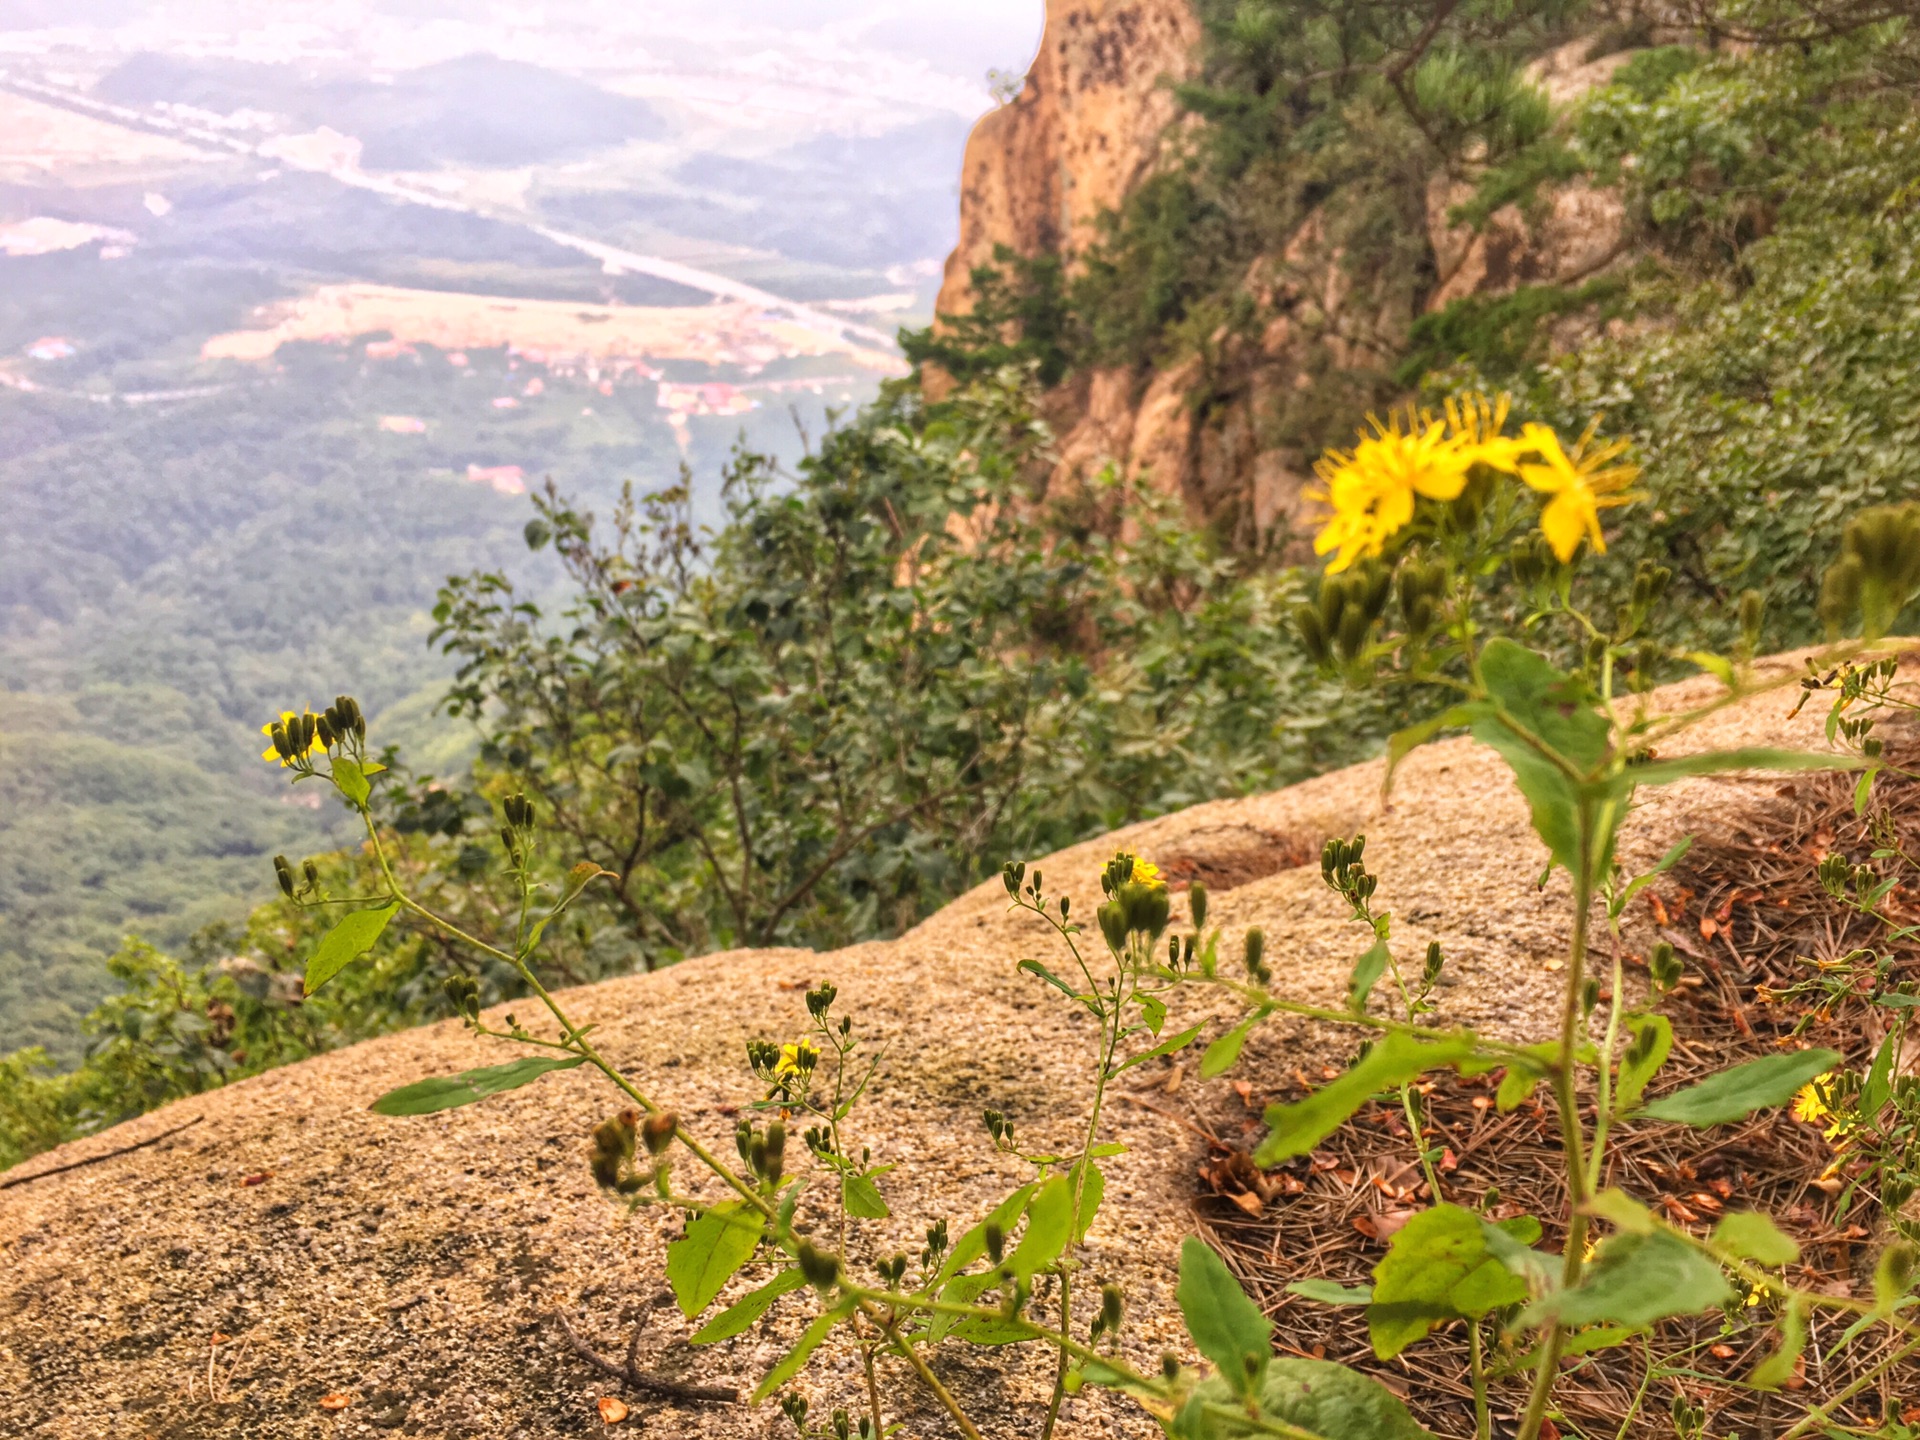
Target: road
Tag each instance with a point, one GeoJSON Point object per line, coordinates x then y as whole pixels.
{"type": "Point", "coordinates": [612, 257]}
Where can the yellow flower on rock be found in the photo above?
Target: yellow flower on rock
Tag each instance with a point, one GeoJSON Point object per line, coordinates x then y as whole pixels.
{"type": "Point", "coordinates": [1371, 488]}
{"type": "Point", "coordinates": [1582, 482]}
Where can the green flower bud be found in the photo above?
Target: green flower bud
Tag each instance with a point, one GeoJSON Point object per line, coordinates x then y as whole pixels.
{"type": "Point", "coordinates": [775, 1163]}
{"type": "Point", "coordinates": [1147, 907]}
{"type": "Point", "coordinates": [283, 872]}
{"type": "Point", "coordinates": [1113, 925]}
{"type": "Point", "coordinates": [1110, 1308]}
{"type": "Point", "coordinates": [1255, 946]}
{"type": "Point", "coordinates": [1197, 904]}
{"type": "Point", "coordinates": [996, 1239]}
{"type": "Point", "coordinates": [821, 1268]}
{"type": "Point", "coordinates": [1313, 634]}
{"type": "Point", "coordinates": [312, 872]}
{"type": "Point", "coordinates": [1893, 1276]}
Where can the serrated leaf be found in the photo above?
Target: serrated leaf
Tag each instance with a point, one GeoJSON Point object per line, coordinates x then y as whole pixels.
{"type": "Point", "coordinates": [1297, 1128]}
{"type": "Point", "coordinates": [1638, 1279]}
{"type": "Point", "coordinates": [1736, 1093]}
{"type": "Point", "coordinates": [449, 1092]}
{"type": "Point", "coordinates": [1437, 1268]}
{"type": "Point", "coordinates": [1332, 1292]}
{"type": "Point", "coordinates": [862, 1198]}
{"type": "Point", "coordinates": [1367, 971]}
{"type": "Point", "coordinates": [1751, 1236]}
{"type": "Point", "coordinates": [346, 942]}
{"type": "Point", "coordinates": [1226, 1326]}
{"type": "Point", "coordinates": [748, 1308]}
{"type": "Point", "coordinates": [717, 1243]}
{"type": "Point", "coordinates": [1540, 708]}
{"type": "Point", "coordinates": [790, 1363]}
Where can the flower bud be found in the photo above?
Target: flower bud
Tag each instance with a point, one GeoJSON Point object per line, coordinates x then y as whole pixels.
{"type": "Point", "coordinates": [658, 1130]}
{"type": "Point", "coordinates": [1255, 946]}
{"type": "Point", "coordinates": [1147, 907]}
{"type": "Point", "coordinates": [819, 1000]}
{"type": "Point", "coordinates": [1113, 925]}
{"type": "Point", "coordinates": [775, 1163]}
{"type": "Point", "coordinates": [821, 1268]}
{"type": "Point", "coordinates": [1110, 1308]}
{"type": "Point", "coordinates": [1313, 634]}
{"type": "Point", "coordinates": [283, 872]}
{"type": "Point", "coordinates": [1011, 874]}
{"type": "Point", "coordinates": [1197, 905]}
{"type": "Point", "coordinates": [312, 872]}
{"type": "Point", "coordinates": [996, 1239]}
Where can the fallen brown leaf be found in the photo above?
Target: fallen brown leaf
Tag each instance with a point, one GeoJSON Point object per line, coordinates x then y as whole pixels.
{"type": "Point", "coordinates": [338, 1400]}
{"type": "Point", "coordinates": [1724, 1352]}
{"type": "Point", "coordinates": [1247, 1201]}
{"type": "Point", "coordinates": [612, 1411]}
{"type": "Point", "coordinates": [259, 1178]}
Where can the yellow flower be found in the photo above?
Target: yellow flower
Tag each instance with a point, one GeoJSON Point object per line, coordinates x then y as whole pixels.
{"type": "Point", "coordinates": [267, 729]}
{"type": "Point", "coordinates": [1810, 1104]}
{"type": "Point", "coordinates": [1145, 872]}
{"type": "Point", "coordinates": [1479, 424]}
{"type": "Point", "coordinates": [799, 1058]}
{"type": "Point", "coordinates": [1582, 483]}
{"type": "Point", "coordinates": [1371, 488]}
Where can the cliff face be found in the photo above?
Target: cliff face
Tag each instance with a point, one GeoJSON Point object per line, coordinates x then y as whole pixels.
{"type": "Point", "coordinates": [1090, 124]}
{"type": "Point", "coordinates": [1085, 127]}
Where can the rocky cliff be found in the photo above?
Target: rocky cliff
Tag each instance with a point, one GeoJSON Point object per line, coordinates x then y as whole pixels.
{"type": "Point", "coordinates": [1095, 118]}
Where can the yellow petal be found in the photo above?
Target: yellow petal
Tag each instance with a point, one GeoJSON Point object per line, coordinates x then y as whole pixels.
{"type": "Point", "coordinates": [1568, 517]}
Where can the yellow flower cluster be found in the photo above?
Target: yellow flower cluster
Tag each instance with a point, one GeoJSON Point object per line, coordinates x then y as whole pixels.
{"type": "Point", "coordinates": [1370, 490]}
{"type": "Point", "coordinates": [267, 729]}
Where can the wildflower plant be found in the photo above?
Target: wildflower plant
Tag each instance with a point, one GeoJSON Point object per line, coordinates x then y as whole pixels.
{"type": "Point", "coordinates": [1434, 523]}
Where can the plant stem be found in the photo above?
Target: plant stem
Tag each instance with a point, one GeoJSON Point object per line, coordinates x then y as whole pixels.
{"type": "Point", "coordinates": [1477, 1359]}
{"type": "Point", "coordinates": [1572, 1137]}
{"type": "Point", "coordinates": [873, 1393]}
{"type": "Point", "coordinates": [927, 1377]}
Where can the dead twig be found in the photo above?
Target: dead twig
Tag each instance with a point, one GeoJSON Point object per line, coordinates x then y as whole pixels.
{"type": "Point", "coordinates": [103, 1155]}
{"type": "Point", "coordinates": [639, 1379]}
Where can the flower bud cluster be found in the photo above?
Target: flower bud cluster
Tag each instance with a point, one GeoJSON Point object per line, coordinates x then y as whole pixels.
{"type": "Point", "coordinates": [1107, 1322]}
{"type": "Point", "coordinates": [463, 993]}
{"type": "Point", "coordinates": [1339, 624]}
{"type": "Point", "coordinates": [610, 1157]}
{"type": "Point", "coordinates": [936, 1246]}
{"type": "Point", "coordinates": [1878, 570]}
{"type": "Point", "coordinates": [1343, 870]}
{"type": "Point", "coordinates": [764, 1151]}
{"type": "Point", "coordinates": [1000, 1128]}
{"type": "Point", "coordinates": [1664, 966]}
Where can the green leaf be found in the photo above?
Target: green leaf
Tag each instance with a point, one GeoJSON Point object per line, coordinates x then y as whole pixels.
{"type": "Point", "coordinates": [973, 1244]}
{"type": "Point", "coordinates": [1317, 1396]}
{"type": "Point", "coordinates": [1226, 1326]}
{"type": "Point", "coordinates": [1155, 1012]}
{"type": "Point", "coordinates": [346, 943]}
{"type": "Point", "coordinates": [803, 1348]}
{"type": "Point", "coordinates": [1170, 1046]}
{"type": "Point", "coordinates": [1437, 1268]}
{"type": "Point", "coordinates": [1751, 1236]}
{"type": "Point", "coordinates": [449, 1092]}
{"type": "Point", "coordinates": [1220, 1055]}
{"type": "Point", "coordinates": [1049, 1221]}
{"type": "Point", "coordinates": [717, 1243]}
{"type": "Point", "coordinates": [1774, 1371]}
{"type": "Point", "coordinates": [1879, 1087]}
{"type": "Point", "coordinates": [1664, 864]}
{"type": "Point", "coordinates": [1524, 1074]}
{"type": "Point", "coordinates": [1653, 1037]}
{"type": "Point", "coordinates": [1541, 710]}
{"type": "Point", "coordinates": [1297, 1128]}
{"type": "Point", "coordinates": [748, 1308]}
{"type": "Point", "coordinates": [1638, 1279]}
{"type": "Point", "coordinates": [1092, 1192]}
{"type": "Point", "coordinates": [1736, 1093]}
{"type": "Point", "coordinates": [979, 1329]}
{"type": "Point", "coordinates": [1332, 1292]}
{"type": "Point", "coordinates": [1715, 762]}
{"type": "Point", "coordinates": [1367, 971]}
{"type": "Point", "coordinates": [352, 782]}
{"type": "Point", "coordinates": [1034, 967]}
{"type": "Point", "coordinates": [1622, 1211]}
{"type": "Point", "coordinates": [863, 1198]}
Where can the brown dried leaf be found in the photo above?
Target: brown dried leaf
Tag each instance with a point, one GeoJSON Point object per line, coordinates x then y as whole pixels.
{"type": "Point", "coordinates": [336, 1400]}
{"type": "Point", "coordinates": [612, 1411]}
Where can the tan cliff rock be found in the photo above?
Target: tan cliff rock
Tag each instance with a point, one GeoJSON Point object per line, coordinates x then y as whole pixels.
{"type": "Point", "coordinates": [1092, 122]}
{"type": "Point", "coordinates": [291, 1245]}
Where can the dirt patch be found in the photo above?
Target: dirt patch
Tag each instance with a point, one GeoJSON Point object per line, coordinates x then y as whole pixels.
{"type": "Point", "coordinates": [1747, 910]}
{"type": "Point", "coordinates": [1225, 857]}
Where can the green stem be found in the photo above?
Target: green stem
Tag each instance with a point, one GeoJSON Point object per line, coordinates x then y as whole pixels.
{"type": "Point", "coordinates": [1572, 1136]}
{"type": "Point", "coordinates": [1477, 1359]}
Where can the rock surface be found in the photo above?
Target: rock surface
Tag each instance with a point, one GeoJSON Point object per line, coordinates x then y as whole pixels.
{"type": "Point", "coordinates": [292, 1245]}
